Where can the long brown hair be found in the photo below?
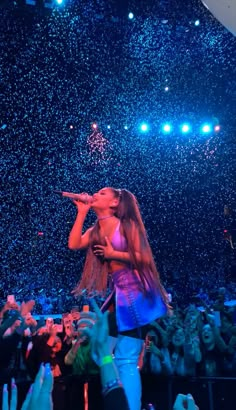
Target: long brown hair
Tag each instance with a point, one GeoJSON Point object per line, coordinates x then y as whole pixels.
{"type": "Point", "coordinates": [94, 277]}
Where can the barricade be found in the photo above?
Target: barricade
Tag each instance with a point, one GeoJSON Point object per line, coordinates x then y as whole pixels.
{"type": "Point", "coordinates": [215, 393]}
{"type": "Point", "coordinates": [210, 393]}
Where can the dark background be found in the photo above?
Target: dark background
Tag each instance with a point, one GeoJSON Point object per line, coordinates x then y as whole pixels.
{"type": "Point", "coordinates": [64, 69]}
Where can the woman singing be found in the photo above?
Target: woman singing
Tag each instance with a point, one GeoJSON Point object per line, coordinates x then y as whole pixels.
{"type": "Point", "coordinates": [118, 250]}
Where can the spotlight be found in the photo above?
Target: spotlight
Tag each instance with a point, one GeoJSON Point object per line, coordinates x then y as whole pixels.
{"type": "Point", "coordinates": [131, 16]}
{"type": "Point", "coordinates": [167, 128]}
{"type": "Point", "coordinates": [206, 128]}
{"type": "Point", "coordinates": [109, 127]}
{"type": "Point", "coordinates": [126, 127]}
{"type": "Point", "coordinates": [59, 2]}
{"type": "Point", "coordinates": [94, 126]}
{"type": "Point", "coordinates": [185, 128]}
{"type": "Point", "coordinates": [197, 23]}
{"type": "Point", "coordinates": [217, 128]}
{"type": "Point", "coordinates": [144, 127]}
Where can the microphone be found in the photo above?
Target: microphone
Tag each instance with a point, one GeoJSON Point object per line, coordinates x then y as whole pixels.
{"type": "Point", "coordinates": [84, 197]}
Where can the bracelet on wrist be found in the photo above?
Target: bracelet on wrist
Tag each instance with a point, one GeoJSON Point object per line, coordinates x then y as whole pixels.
{"type": "Point", "coordinates": [113, 384]}
{"type": "Point", "coordinates": [105, 360]}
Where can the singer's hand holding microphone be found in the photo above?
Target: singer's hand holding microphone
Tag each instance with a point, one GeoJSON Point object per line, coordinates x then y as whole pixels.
{"type": "Point", "coordinates": [82, 201]}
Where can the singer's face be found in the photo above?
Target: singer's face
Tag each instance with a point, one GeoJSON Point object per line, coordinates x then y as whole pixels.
{"type": "Point", "coordinates": [104, 199]}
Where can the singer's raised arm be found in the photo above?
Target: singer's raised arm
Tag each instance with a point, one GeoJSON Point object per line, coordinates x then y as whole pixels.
{"type": "Point", "coordinates": [77, 240]}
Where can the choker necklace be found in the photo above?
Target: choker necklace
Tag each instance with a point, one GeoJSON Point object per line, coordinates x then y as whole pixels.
{"type": "Point", "coordinates": [104, 217]}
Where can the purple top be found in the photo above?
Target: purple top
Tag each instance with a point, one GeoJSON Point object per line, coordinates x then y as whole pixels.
{"type": "Point", "coordinates": [119, 242]}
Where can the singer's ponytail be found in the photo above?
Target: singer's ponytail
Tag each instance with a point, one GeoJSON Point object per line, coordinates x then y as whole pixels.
{"type": "Point", "coordinates": [131, 220]}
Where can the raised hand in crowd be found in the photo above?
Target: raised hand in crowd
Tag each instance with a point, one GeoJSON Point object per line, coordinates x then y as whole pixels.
{"type": "Point", "coordinates": [68, 327]}
{"type": "Point", "coordinates": [16, 317]}
{"type": "Point", "coordinates": [98, 333]}
{"type": "Point", "coordinates": [112, 389]}
{"type": "Point", "coordinates": [30, 321]}
{"type": "Point", "coordinates": [39, 396]}
{"type": "Point", "coordinates": [152, 348]}
{"type": "Point", "coordinates": [26, 307]}
{"type": "Point", "coordinates": [13, 399]}
{"type": "Point", "coordinates": [11, 318]}
{"type": "Point", "coordinates": [52, 335]}
{"type": "Point", "coordinates": [185, 402]}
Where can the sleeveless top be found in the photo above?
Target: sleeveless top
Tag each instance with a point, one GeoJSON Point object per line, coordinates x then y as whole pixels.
{"type": "Point", "coordinates": [118, 241]}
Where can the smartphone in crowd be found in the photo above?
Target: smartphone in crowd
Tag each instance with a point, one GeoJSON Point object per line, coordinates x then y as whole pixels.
{"type": "Point", "coordinates": [11, 299]}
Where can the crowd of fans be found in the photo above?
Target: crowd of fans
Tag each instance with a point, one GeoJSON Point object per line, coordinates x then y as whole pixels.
{"type": "Point", "coordinates": [199, 340]}
{"type": "Point", "coordinates": [193, 342]}
{"type": "Point", "coordinates": [54, 298]}
{"type": "Point", "coordinates": [45, 346]}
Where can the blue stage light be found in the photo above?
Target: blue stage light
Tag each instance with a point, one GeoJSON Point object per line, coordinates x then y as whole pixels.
{"type": "Point", "coordinates": [59, 2]}
{"type": "Point", "coordinates": [206, 128]}
{"type": "Point", "coordinates": [167, 128]}
{"type": "Point", "coordinates": [144, 127]}
{"type": "Point", "coordinates": [197, 23]}
{"type": "Point", "coordinates": [131, 16]}
{"type": "Point", "coordinates": [185, 128]}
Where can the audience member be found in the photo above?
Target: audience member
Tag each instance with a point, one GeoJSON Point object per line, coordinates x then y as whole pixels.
{"type": "Point", "coordinates": [85, 372]}
{"type": "Point", "coordinates": [155, 358]}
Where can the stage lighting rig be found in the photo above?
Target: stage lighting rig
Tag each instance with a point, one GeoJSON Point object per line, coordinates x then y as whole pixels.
{"type": "Point", "coordinates": [40, 6]}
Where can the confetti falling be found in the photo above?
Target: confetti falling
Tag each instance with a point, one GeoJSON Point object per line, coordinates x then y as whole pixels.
{"type": "Point", "coordinates": [98, 146]}
{"type": "Point", "coordinates": [61, 71]}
